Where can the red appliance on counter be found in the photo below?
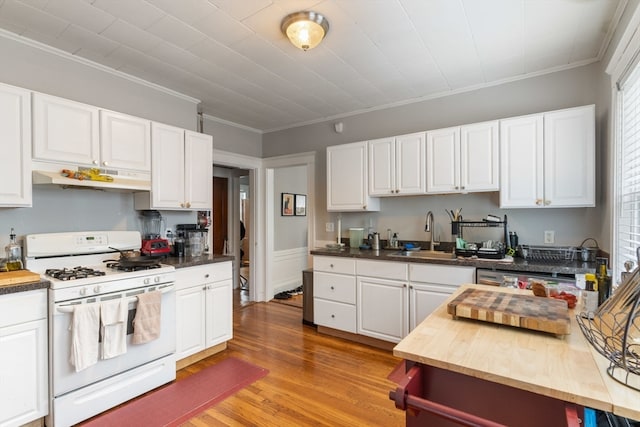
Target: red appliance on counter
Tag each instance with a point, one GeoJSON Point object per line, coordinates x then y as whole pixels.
{"type": "Point", "coordinates": [152, 244]}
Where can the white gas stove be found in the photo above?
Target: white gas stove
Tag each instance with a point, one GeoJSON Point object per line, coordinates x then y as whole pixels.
{"type": "Point", "coordinates": [87, 268]}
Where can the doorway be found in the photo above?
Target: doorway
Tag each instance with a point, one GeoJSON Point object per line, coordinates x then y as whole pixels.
{"type": "Point", "coordinates": [220, 215]}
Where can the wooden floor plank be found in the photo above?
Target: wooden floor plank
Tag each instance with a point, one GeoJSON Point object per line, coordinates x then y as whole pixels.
{"type": "Point", "coordinates": [314, 379]}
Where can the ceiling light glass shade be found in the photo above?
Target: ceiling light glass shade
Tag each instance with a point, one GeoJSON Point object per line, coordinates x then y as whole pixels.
{"type": "Point", "coordinates": [305, 29]}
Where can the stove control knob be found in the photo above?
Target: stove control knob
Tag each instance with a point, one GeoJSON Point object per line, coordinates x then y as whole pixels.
{"type": "Point", "coordinates": [83, 291]}
{"type": "Point", "coordinates": [96, 289]}
{"type": "Point", "coordinates": [156, 279]}
{"type": "Point", "coordinates": [147, 281]}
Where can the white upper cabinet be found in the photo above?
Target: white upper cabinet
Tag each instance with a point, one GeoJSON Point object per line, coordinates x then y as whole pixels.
{"type": "Point", "coordinates": [65, 131]}
{"type": "Point", "coordinates": [347, 179]}
{"type": "Point", "coordinates": [181, 170]}
{"type": "Point", "coordinates": [72, 133]}
{"type": "Point", "coordinates": [15, 134]}
{"type": "Point", "coordinates": [463, 159]}
{"type": "Point", "coordinates": [397, 165]}
{"type": "Point", "coordinates": [479, 157]}
{"type": "Point", "coordinates": [198, 149]}
{"type": "Point", "coordinates": [125, 141]}
{"type": "Point", "coordinates": [548, 159]}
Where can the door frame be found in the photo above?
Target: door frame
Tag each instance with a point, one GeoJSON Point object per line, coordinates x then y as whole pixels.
{"type": "Point", "coordinates": [307, 159]}
{"type": "Point", "coordinates": [257, 266]}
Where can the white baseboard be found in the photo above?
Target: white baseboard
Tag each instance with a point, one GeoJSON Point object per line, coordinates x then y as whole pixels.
{"type": "Point", "coordinates": [287, 268]}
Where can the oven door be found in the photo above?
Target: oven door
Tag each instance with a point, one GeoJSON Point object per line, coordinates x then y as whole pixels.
{"type": "Point", "coordinates": [64, 377]}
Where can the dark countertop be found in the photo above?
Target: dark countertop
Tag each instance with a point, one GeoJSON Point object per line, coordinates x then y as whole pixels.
{"type": "Point", "coordinates": [24, 287]}
{"type": "Point", "coordinates": [176, 262]}
{"type": "Point", "coordinates": [518, 264]}
{"type": "Point", "coordinates": [184, 262]}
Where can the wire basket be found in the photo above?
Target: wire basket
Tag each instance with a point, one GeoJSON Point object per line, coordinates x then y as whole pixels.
{"type": "Point", "coordinates": [548, 253]}
{"type": "Point", "coordinates": [614, 331]}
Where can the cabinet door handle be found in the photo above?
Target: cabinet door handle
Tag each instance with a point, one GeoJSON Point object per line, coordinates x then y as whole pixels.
{"type": "Point", "coordinates": [95, 162]}
{"type": "Point", "coordinates": [364, 207]}
{"type": "Point", "coordinates": [547, 202]}
{"type": "Point", "coordinates": [331, 265]}
{"type": "Point", "coordinates": [404, 285]}
{"type": "Point", "coordinates": [456, 187]}
{"type": "Point", "coordinates": [538, 202]}
{"type": "Point", "coordinates": [332, 288]}
{"type": "Point", "coordinates": [333, 316]}
{"type": "Point", "coordinates": [462, 188]}
{"type": "Point", "coordinates": [391, 191]}
{"type": "Point", "coordinates": [397, 191]}
{"type": "Point", "coordinates": [105, 163]}
{"type": "Point", "coordinates": [206, 276]}
{"type": "Point", "coordinates": [204, 288]}
{"type": "Point", "coordinates": [188, 204]}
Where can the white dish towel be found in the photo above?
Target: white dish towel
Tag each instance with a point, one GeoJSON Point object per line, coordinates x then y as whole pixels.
{"type": "Point", "coordinates": [146, 324]}
{"type": "Point", "coordinates": [113, 316]}
{"type": "Point", "coordinates": [84, 328]}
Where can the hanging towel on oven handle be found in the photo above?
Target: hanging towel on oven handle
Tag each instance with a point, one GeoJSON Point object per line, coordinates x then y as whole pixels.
{"type": "Point", "coordinates": [85, 326]}
{"type": "Point", "coordinates": [146, 323]}
{"type": "Point", "coordinates": [113, 316]}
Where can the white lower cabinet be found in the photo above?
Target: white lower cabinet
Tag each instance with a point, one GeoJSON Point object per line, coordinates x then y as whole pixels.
{"type": "Point", "coordinates": [382, 299]}
{"type": "Point", "coordinates": [204, 307]}
{"type": "Point", "coordinates": [23, 357]}
{"type": "Point", "coordinates": [430, 285]}
{"type": "Point", "coordinates": [334, 293]}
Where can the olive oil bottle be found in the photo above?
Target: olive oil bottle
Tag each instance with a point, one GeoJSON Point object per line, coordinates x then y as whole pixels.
{"type": "Point", "coordinates": [14, 253]}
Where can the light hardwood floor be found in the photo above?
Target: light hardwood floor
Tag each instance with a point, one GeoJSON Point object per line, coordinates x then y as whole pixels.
{"type": "Point", "coordinates": [313, 380]}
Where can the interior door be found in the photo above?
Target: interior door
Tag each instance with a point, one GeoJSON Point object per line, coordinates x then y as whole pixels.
{"type": "Point", "coordinates": [219, 214]}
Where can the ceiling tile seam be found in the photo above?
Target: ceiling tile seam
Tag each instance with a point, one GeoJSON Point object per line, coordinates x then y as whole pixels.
{"type": "Point", "coordinates": [426, 47]}
{"type": "Point", "coordinates": [53, 17]}
{"type": "Point", "coordinates": [373, 43]}
{"type": "Point", "coordinates": [475, 43]}
{"type": "Point", "coordinates": [61, 53]}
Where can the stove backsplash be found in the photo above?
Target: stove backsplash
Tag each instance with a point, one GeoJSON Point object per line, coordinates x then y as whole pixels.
{"type": "Point", "coordinates": [57, 209]}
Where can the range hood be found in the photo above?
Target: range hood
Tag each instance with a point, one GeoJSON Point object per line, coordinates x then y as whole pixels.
{"type": "Point", "coordinates": [119, 183]}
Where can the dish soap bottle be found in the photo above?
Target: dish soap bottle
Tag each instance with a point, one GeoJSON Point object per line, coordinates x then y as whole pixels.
{"type": "Point", "coordinates": [14, 253]}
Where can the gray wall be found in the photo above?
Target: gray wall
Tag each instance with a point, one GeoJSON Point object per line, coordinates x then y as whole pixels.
{"type": "Point", "coordinates": [558, 90]}
{"type": "Point", "coordinates": [234, 139]}
{"type": "Point", "coordinates": [290, 232]}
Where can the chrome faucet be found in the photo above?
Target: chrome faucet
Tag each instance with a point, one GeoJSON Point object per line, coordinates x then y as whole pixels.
{"type": "Point", "coordinates": [428, 228]}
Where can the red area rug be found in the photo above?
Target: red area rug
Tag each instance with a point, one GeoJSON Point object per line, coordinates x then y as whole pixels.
{"type": "Point", "coordinates": [181, 400]}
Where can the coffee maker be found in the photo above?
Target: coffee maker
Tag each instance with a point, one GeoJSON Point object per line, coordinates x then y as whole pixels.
{"type": "Point", "coordinates": [196, 238]}
{"type": "Point", "coordinates": [152, 245]}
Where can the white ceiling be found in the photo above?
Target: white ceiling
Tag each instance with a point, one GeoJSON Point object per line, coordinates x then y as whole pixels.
{"type": "Point", "coordinates": [231, 55]}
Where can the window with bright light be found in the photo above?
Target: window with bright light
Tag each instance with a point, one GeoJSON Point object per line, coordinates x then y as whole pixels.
{"type": "Point", "coordinates": [627, 172]}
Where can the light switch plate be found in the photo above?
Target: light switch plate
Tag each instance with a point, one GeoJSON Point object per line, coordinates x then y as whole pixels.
{"type": "Point", "coordinates": [549, 236]}
{"type": "Point", "coordinates": [329, 227]}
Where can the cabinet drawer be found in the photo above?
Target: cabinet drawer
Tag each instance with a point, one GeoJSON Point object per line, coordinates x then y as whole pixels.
{"type": "Point", "coordinates": [190, 276]}
{"type": "Point", "coordinates": [335, 315]}
{"type": "Point", "coordinates": [334, 264]}
{"type": "Point", "coordinates": [443, 274]}
{"type": "Point", "coordinates": [334, 287]}
{"type": "Point", "coordinates": [382, 269]}
{"type": "Point", "coordinates": [21, 307]}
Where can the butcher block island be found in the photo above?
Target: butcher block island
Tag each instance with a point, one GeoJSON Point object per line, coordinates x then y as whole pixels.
{"type": "Point", "coordinates": [491, 374]}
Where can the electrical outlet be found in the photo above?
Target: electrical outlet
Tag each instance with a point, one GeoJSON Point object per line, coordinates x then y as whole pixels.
{"type": "Point", "coordinates": [329, 227]}
{"type": "Point", "coordinates": [549, 236]}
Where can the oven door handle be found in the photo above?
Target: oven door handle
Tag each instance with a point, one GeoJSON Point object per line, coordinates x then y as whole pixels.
{"type": "Point", "coordinates": [69, 308]}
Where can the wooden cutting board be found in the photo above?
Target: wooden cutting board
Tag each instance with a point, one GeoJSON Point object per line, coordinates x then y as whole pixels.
{"type": "Point", "coordinates": [18, 277]}
{"type": "Point", "coordinates": [521, 311]}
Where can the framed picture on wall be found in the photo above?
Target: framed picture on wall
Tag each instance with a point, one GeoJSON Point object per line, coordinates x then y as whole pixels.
{"type": "Point", "coordinates": [288, 204]}
{"type": "Point", "coordinates": [301, 204]}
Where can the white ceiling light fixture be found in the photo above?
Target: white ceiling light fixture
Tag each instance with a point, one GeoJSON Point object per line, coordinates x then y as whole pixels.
{"type": "Point", "coordinates": [305, 29]}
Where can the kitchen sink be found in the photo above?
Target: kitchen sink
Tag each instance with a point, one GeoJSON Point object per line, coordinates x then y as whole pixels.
{"type": "Point", "coordinates": [425, 254]}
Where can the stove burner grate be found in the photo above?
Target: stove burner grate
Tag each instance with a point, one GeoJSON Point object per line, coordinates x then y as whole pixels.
{"type": "Point", "coordinates": [131, 267]}
{"type": "Point", "coordinates": [73, 273]}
